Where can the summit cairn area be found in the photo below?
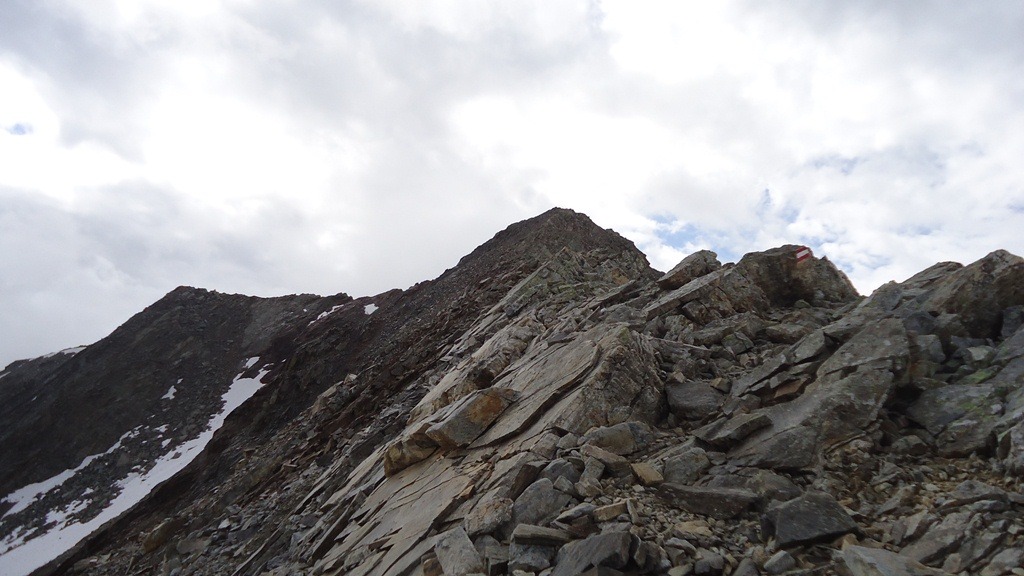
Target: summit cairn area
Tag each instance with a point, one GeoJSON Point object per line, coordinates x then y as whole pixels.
{"type": "Point", "coordinates": [554, 406]}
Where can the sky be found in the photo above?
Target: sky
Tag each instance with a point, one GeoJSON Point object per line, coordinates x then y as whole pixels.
{"type": "Point", "coordinates": [278, 147]}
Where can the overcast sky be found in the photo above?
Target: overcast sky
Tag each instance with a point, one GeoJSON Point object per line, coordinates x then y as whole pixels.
{"type": "Point", "coordinates": [271, 147]}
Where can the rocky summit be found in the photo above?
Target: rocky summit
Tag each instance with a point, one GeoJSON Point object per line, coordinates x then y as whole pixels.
{"type": "Point", "coordinates": [549, 406]}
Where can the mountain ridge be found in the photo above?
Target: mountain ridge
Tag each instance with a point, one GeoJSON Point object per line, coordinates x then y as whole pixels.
{"type": "Point", "coordinates": [553, 365]}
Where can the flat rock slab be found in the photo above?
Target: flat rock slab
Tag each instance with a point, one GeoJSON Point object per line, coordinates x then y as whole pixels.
{"type": "Point", "coordinates": [716, 502]}
{"type": "Point", "coordinates": [530, 534]}
{"type": "Point", "coordinates": [813, 517]}
{"type": "Point", "coordinates": [540, 379]}
{"type": "Point", "coordinates": [471, 417]}
{"type": "Point", "coordinates": [646, 474]}
{"type": "Point", "coordinates": [726, 433]}
{"type": "Point", "coordinates": [610, 550]}
{"type": "Point", "coordinates": [862, 561]}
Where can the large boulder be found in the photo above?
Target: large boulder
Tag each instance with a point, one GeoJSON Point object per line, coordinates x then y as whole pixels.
{"type": "Point", "coordinates": [813, 517]}
{"type": "Point", "coordinates": [693, 266]}
{"type": "Point", "coordinates": [611, 550]}
{"type": "Point", "coordinates": [980, 292]}
{"type": "Point", "coordinates": [785, 280]}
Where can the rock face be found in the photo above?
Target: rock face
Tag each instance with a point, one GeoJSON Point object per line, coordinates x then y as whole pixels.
{"type": "Point", "coordinates": [553, 406]}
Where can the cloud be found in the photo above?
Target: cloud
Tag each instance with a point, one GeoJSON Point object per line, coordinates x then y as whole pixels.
{"type": "Point", "coordinates": [280, 147]}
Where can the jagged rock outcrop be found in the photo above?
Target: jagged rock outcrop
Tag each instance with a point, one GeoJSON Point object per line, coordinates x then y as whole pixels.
{"type": "Point", "coordinates": [554, 406]}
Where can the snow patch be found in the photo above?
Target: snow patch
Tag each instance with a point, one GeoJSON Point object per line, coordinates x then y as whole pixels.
{"type": "Point", "coordinates": [20, 557]}
{"type": "Point", "coordinates": [23, 497]}
{"type": "Point", "coordinates": [170, 394]}
{"type": "Point", "coordinates": [68, 351]}
{"type": "Point", "coordinates": [326, 314]}
{"type": "Point", "coordinates": [370, 308]}
{"type": "Point", "coordinates": [248, 363]}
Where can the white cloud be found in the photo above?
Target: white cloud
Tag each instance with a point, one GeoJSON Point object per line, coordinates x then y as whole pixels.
{"type": "Point", "coordinates": [305, 146]}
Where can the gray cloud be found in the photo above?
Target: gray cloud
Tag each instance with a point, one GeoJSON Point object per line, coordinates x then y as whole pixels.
{"type": "Point", "coordinates": [321, 147]}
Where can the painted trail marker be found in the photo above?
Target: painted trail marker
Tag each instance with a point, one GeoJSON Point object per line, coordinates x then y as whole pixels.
{"type": "Point", "coordinates": [803, 253]}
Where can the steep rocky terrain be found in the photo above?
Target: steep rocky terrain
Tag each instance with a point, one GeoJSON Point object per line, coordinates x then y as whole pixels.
{"type": "Point", "coordinates": [551, 405]}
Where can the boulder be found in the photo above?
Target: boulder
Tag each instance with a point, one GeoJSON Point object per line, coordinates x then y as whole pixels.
{"type": "Point", "coordinates": [980, 292]}
{"type": "Point", "coordinates": [693, 399]}
{"type": "Point", "coordinates": [530, 558]}
{"type": "Point", "coordinates": [942, 538]}
{"type": "Point", "coordinates": [623, 438]}
{"type": "Point", "coordinates": [610, 550]}
{"type": "Point", "coordinates": [614, 463]}
{"type": "Point", "coordinates": [471, 417]}
{"type": "Point", "coordinates": [1011, 448]}
{"type": "Point", "coordinates": [715, 502]}
{"type": "Point", "coordinates": [785, 281]}
{"type": "Point", "coordinates": [962, 418]}
{"type": "Point", "coordinates": [646, 474]}
{"type": "Point", "coordinates": [539, 504]}
{"type": "Point", "coordinates": [686, 467]}
{"type": "Point", "coordinates": [456, 553]}
{"type": "Point", "coordinates": [808, 519]}
{"type": "Point", "coordinates": [725, 433]}
{"type": "Point", "coordinates": [693, 266]}
{"type": "Point", "coordinates": [560, 468]}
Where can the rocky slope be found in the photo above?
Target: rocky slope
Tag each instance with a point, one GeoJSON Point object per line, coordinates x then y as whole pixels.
{"type": "Point", "coordinates": [552, 406]}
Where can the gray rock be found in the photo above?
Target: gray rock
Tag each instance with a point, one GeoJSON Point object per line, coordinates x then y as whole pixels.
{"type": "Point", "coordinates": [686, 467]}
{"type": "Point", "coordinates": [911, 445]}
{"type": "Point", "coordinates": [560, 468]}
{"type": "Point", "coordinates": [693, 399]}
{"type": "Point", "coordinates": [940, 539]}
{"type": "Point", "coordinates": [471, 417]}
{"type": "Point", "coordinates": [746, 567]}
{"type": "Point", "coordinates": [611, 550]}
{"type": "Point", "coordinates": [649, 557]}
{"type": "Point", "coordinates": [780, 562]}
{"type": "Point", "coordinates": [614, 463]}
{"type": "Point", "coordinates": [725, 433]}
{"type": "Point", "coordinates": [1011, 448]}
{"type": "Point", "coordinates": [851, 388]}
{"type": "Point", "coordinates": [539, 504]}
{"type": "Point", "coordinates": [1004, 562]}
{"type": "Point", "coordinates": [456, 553]}
{"type": "Point", "coordinates": [962, 418]}
{"type": "Point", "coordinates": [786, 333]}
{"type": "Point", "coordinates": [708, 563]}
{"type": "Point", "coordinates": [489, 514]}
{"type": "Point", "coordinates": [978, 293]}
{"type": "Point", "coordinates": [808, 519]}
{"type": "Point", "coordinates": [715, 502]}
{"type": "Point", "coordinates": [529, 534]}
{"type": "Point", "coordinates": [862, 561]}
{"type": "Point", "coordinates": [530, 557]}
{"type": "Point", "coordinates": [693, 266]}
{"type": "Point", "coordinates": [970, 491]}
{"type": "Point", "coordinates": [770, 486]}
{"type": "Point", "coordinates": [623, 438]}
